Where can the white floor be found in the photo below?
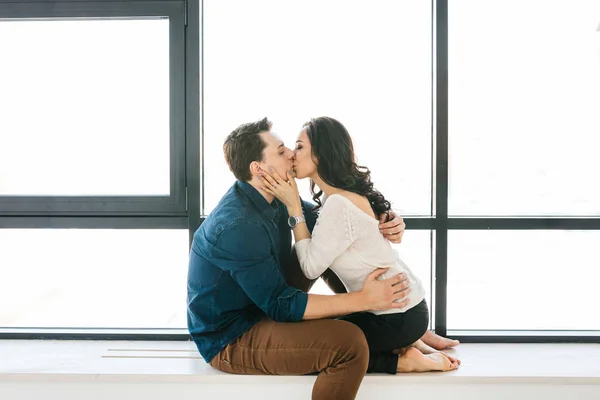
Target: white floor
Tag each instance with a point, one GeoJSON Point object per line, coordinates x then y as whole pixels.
{"type": "Point", "coordinates": [28, 368]}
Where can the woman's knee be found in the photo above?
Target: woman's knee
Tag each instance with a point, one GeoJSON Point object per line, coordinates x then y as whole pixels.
{"type": "Point", "coordinates": [414, 333]}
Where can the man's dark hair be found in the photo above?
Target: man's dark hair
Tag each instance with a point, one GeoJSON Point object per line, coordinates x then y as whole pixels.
{"type": "Point", "coordinates": [243, 146]}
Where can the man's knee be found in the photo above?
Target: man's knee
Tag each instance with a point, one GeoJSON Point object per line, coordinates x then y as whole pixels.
{"type": "Point", "coordinates": [352, 341]}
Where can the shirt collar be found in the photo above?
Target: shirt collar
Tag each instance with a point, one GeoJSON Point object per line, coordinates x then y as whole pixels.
{"type": "Point", "coordinates": [270, 211]}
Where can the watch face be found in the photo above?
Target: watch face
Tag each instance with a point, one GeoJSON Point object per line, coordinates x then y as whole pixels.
{"type": "Point", "coordinates": [292, 222]}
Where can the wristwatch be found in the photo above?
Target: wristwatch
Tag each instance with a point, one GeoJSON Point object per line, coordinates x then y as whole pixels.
{"type": "Point", "coordinates": [293, 220]}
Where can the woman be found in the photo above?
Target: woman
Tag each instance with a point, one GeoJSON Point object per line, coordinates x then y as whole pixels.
{"type": "Point", "coordinates": [346, 239]}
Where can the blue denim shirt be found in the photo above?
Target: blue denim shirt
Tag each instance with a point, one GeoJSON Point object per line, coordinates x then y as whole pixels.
{"type": "Point", "coordinates": [234, 275]}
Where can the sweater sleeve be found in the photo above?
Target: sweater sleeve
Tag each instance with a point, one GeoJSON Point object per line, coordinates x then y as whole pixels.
{"type": "Point", "coordinates": [332, 235]}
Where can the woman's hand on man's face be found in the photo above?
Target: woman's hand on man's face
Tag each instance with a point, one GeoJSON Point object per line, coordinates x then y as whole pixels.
{"type": "Point", "coordinates": [285, 190]}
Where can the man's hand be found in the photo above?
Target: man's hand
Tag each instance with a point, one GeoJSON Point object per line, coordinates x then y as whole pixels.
{"type": "Point", "coordinates": [393, 229]}
{"type": "Point", "coordinates": [382, 295]}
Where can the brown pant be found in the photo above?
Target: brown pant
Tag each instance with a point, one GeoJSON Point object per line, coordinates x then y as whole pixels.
{"type": "Point", "coordinates": [336, 350]}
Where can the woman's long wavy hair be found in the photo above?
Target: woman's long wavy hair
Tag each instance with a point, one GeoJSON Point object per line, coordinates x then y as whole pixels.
{"type": "Point", "coordinates": [333, 152]}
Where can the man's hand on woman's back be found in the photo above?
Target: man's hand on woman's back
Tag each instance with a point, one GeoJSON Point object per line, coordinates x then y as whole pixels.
{"type": "Point", "coordinates": [383, 294]}
{"type": "Point", "coordinates": [393, 229]}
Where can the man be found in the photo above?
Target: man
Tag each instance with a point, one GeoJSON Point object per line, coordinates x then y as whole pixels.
{"type": "Point", "coordinates": [239, 304]}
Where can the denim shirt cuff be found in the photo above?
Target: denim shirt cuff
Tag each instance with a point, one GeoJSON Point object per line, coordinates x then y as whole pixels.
{"type": "Point", "coordinates": [298, 306]}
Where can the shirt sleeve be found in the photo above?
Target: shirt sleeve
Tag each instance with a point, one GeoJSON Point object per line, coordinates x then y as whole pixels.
{"type": "Point", "coordinates": [332, 235]}
{"type": "Point", "coordinates": [309, 214]}
{"type": "Point", "coordinates": [252, 265]}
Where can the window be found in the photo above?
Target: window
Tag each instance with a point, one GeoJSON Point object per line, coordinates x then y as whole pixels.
{"type": "Point", "coordinates": [523, 107]}
{"type": "Point", "coordinates": [522, 208]}
{"type": "Point", "coordinates": [82, 113]}
{"type": "Point", "coordinates": [93, 278]}
{"type": "Point", "coordinates": [284, 61]}
{"type": "Point", "coordinates": [508, 280]}
{"type": "Point", "coordinates": [480, 129]}
{"type": "Point", "coordinates": [94, 220]}
{"type": "Point", "coordinates": [91, 121]}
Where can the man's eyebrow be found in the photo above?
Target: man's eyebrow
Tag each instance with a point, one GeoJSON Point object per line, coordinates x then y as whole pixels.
{"type": "Point", "coordinates": [298, 141]}
{"type": "Point", "coordinates": [281, 145]}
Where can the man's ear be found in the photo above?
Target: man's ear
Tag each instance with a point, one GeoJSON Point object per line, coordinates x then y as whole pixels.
{"type": "Point", "coordinates": [255, 168]}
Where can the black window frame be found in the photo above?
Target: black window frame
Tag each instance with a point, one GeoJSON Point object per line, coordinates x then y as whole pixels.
{"type": "Point", "coordinates": [439, 223]}
{"type": "Point", "coordinates": [445, 223]}
{"type": "Point", "coordinates": [124, 212]}
{"type": "Point", "coordinates": [175, 203]}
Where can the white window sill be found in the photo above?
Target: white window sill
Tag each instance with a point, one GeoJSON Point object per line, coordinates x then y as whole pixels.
{"type": "Point", "coordinates": [25, 360]}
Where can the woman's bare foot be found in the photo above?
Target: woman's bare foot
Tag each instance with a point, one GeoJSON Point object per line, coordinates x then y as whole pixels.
{"type": "Point", "coordinates": [438, 342]}
{"type": "Point", "coordinates": [414, 361]}
{"type": "Point", "coordinates": [425, 349]}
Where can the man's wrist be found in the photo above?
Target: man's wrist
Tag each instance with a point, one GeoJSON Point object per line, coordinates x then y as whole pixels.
{"type": "Point", "coordinates": [358, 301]}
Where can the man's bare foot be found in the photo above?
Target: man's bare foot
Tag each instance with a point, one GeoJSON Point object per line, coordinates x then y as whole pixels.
{"type": "Point", "coordinates": [414, 361]}
{"type": "Point", "coordinates": [438, 342]}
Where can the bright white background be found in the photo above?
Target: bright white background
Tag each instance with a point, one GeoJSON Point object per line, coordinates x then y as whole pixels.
{"type": "Point", "coordinates": [85, 111]}
{"type": "Point", "coordinates": [84, 107]}
{"type": "Point", "coordinates": [366, 64]}
{"type": "Point", "coordinates": [93, 278]}
{"type": "Point", "coordinates": [524, 134]}
{"type": "Point", "coordinates": [524, 107]}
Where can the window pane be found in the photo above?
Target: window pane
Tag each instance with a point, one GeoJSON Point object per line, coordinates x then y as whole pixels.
{"type": "Point", "coordinates": [527, 280]}
{"type": "Point", "coordinates": [415, 250]}
{"type": "Point", "coordinates": [524, 107]}
{"type": "Point", "coordinates": [283, 60]}
{"type": "Point", "coordinates": [84, 107]}
{"type": "Point", "coordinates": [81, 278]}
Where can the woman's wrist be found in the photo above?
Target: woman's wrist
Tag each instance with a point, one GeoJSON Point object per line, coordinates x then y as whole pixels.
{"type": "Point", "coordinates": [295, 209]}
